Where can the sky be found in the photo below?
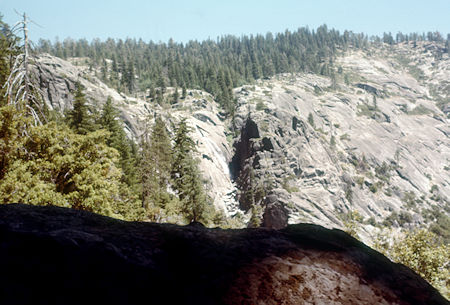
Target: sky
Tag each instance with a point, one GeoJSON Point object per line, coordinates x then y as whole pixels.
{"type": "Point", "coordinates": [202, 19]}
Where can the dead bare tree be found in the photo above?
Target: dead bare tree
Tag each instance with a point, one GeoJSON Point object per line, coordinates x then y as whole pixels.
{"type": "Point", "coordinates": [20, 86]}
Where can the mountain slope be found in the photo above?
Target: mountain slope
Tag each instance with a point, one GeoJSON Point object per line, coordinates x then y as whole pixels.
{"type": "Point", "coordinates": [302, 147]}
{"type": "Point", "coordinates": [335, 147]}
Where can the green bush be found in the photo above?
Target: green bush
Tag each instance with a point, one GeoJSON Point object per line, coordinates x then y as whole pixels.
{"type": "Point", "coordinates": [422, 251]}
{"type": "Point", "coordinates": [260, 105]}
{"type": "Point", "coordinates": [311, 120]}
{"type": "Point", "coordinates": [401, 219]}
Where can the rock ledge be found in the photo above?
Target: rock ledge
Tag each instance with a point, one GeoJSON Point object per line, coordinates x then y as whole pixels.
{"type": "Point", "coordinates": [51, 255]}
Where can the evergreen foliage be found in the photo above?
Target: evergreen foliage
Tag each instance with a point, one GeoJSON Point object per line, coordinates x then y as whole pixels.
{"type": "Point", "coordinates": [420, 249]}
{"type": "Point", "coordinates": [155, 167]}
{"type": "Point", "coordinates": [218, 66]}
{"type": "Point", "coordinates": [214, 66]}
{"type": "Point", "coordinates": [8, 51]}
{"type": "Point", "coordinates": [311, 120]}
{"type": "Point", "coordinates": [19, 84]}
{"type": "Point", "coordinates": [51, 165]}
{"type": "Point", "coordinates": [110, 121]}
{"type": "Point", "coordinates": [186, 178]}
{"type": "Point", "coordinates": [423, 252]}
{"type": "Point", "coordinates": [79, 118]}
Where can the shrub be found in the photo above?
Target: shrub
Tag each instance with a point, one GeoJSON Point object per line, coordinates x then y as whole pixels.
{"type": "Point", "coordinates": [333, 141]}
{"type": "Point", "coordinates": [422, 251]}
{"type": "Point", "coordinates": [260, 106]}
{"type": "Point", "coordinates": [311, 120]}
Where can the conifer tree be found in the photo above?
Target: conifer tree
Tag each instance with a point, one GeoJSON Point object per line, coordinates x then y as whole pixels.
{"type": "Point", "coordinates": [21, 86]}
{"type": "Point", "coordinates": [79, 118]}
{"type": "Point", "coordinates": [161, 84]}
{"type": "Point", "coordinates": [155, 166]}
{"type": "Point", "coordinates": [129, 77]}
{"type": "Point", "coordinates": [183, 91]}
{"type": "Point", "coordinates": [151, 93]}
{"type": "Point", "coordinates": [53, 165]}
{"type": "Point", "coordinates": [175, 96]}
{"type": "Point", "coordinates": [186, 178]}
{"type": "Point", "coordinates": [110, 121]}
{"type": "Point", "coordinates": [8, 50]}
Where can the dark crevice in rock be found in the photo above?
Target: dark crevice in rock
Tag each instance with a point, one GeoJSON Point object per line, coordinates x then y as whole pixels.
{"type": "Point", "coordinates": [255, 163]}
{"type": "Point", "coordinates": [294, 123]}
{"type": "Point", "coordinates": [204, 118]}
{"type": "Point", "coordinates": [251, 129]}
{"type": "Point", "coordinates": [402, 175]}
{"type": "Point", "coordinates": [280, 132]}
{"type": "Point", "coordinates": [245, 163]}
{"type": "Point", "coordinates": [204, 156]}
{"type": "Point", "coordinates": [248, 174]}
{"type": "Point", "coordinates": [368, 88]}
{"type": "Point", "coordinates": [297, 171]}
{"type": "Point", "coordinates": [244, 148]}
{"type": "Point", "coordinates": [267, 144]}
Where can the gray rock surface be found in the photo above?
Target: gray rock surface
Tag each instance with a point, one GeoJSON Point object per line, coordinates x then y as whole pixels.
{"type": "Point", "coordinates": [57, 79]}
{"type": "Point", "coordinates": [365, 150]}
{"type": "Point", "coordinates": [379, 132]}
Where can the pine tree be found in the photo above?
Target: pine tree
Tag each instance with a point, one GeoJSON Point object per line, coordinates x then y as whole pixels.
{"type": "Point", "coordinates": [198, 65]}
{"type": "Point", "coordinates": [183, 91]}
{"type": "Point", "coordinates": [22, 89]}
{"type": "Point", "coordinates": [110, 121]}
{"type": "Point", "coordinates": [255, 208]}
{"type": "Point", "coordinates": [186, 178]}
{"type": "Point", "coordinates": [53, 165]}
{"type": "Point", "coordinates": [79, 118]}
{"type": "Point", "coordinates": [151, 93]}
{"type": "Point", "coordinates": [129, 77]}
{"type": "Point", "coordinates": [155, 167]}
{"type": "Point", "coordinates": [159, 97]}
{"type": "Point", "coordinates": [8, 50]}
{"type": "Point", "coordinates": [175, 96]}
{"type": "Point", "coordinates": [161, 84]}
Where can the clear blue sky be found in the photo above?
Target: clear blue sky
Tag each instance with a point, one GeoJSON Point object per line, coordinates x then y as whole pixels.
{"type": "Point", "coordinates": [202, 19]}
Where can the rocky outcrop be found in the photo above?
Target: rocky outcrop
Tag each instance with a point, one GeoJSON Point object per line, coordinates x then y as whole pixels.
{"type": "Point", "coordinates": [51, 255]}
{"type": "Point", "coordinates": [244, 162]}
{"type": "Point", "coordinates": [365, 141]}
{"type": "Point", "coordinates": [307, 147]}
{"type": "Point", "coordinates": [57, 78]}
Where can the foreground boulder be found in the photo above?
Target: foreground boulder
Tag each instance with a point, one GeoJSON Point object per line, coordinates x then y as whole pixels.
{"type": "Point", "coordinates": [51, 255]}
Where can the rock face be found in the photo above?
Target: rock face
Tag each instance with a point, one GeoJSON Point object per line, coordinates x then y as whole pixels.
{"type": "Point", "coordinates": [52, 255]}
{"type": "Point", "coordinates": [309, 148]}
{"type": "Point", "coordinates": [367, 140]}
{"type": "Point", "coordinates": [57, 80]}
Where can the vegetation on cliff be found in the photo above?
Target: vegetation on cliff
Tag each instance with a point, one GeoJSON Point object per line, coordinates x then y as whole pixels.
{"type": "Point", "coordinates": [84, 161]}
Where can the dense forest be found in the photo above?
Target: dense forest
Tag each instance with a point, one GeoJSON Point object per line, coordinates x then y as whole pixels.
{"type": "Point", "coordinates": [217, 66]}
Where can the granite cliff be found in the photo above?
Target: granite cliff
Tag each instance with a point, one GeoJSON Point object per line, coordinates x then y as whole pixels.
{"type": "Point", "coordinates": [307, 148]}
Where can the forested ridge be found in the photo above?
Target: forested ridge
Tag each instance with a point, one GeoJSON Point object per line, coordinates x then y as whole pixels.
{"type": "Point", "coordinates": [217, 66]}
